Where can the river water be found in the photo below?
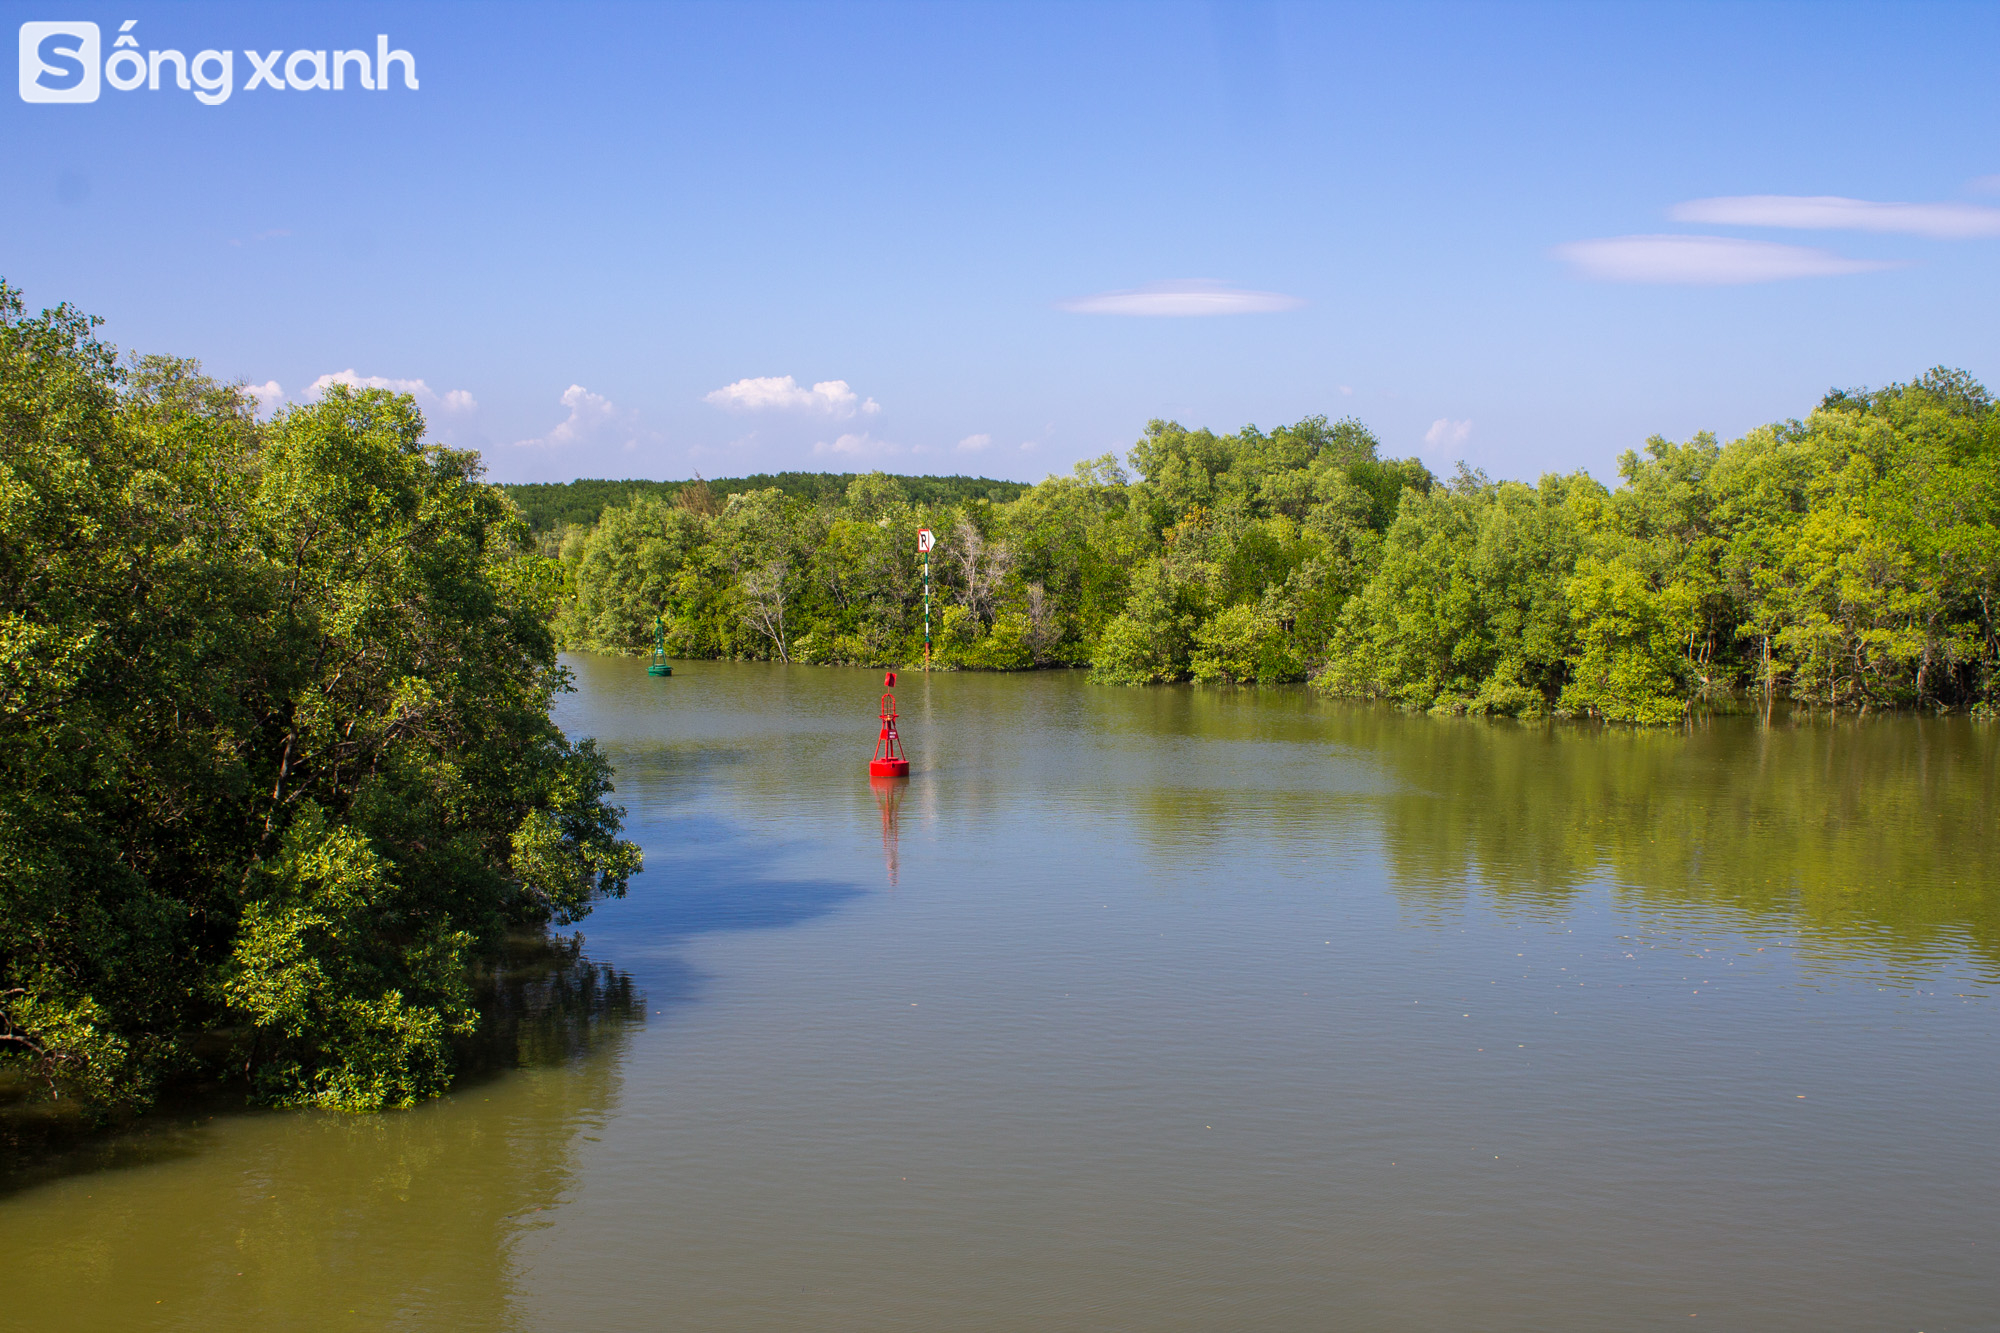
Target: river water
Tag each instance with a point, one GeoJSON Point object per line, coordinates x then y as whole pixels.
{"type": "Point", "coordinates": [1159, 1009]}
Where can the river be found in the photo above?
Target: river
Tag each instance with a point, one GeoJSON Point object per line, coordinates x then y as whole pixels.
{"type": "Point", "coordinates": [1159, 1009]}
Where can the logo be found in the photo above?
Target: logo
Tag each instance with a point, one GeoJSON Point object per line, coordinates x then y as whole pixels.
{"type": "Point", "coordinates": [65, 62]}
{"type": "Point", "coordinates": [59, 62]}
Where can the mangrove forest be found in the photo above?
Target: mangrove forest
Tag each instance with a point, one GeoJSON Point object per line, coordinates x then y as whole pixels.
{"type": "Point", "coordinates": [1849, 559]}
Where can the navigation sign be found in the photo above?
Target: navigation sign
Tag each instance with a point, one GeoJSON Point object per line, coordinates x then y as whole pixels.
{"type": "Point", "coordinates": [925, 540]}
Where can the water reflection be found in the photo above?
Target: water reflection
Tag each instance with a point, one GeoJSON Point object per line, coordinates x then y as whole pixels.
{"type": "Point", "coordinates": [547, 1003]}
{"type": "Point", "coordinates": [1871, 834]}
{"type": "Point", "coordinates": [889, 801]}
{"type": "Point", "coordinates": [323, 1220]}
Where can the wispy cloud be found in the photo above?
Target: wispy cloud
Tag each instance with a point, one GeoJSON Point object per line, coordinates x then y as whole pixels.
{"type": "Point", "coordinates": [782, 393]}
{"type": "Point", "coordinates": [858, 445]}
{"type": "Point", "coordinates": [972, 444]}
{"type": "Point", "coordinates": [452, 400]}
{"type": "Point", "coordinates": [274, 234]}
{"type": "Point", "coordinates": [593, 419]}
{"type": "Point", "coordinates": [1444, 431]}
{"type": "Point", "coordinates": [1829, 212]}
{"type": "Point", "coordinates": [1190, 296]}
{"type": "Point", "coordinates": [1984, 185]}
{"type": "Point", "coordinates": [1714, 261]}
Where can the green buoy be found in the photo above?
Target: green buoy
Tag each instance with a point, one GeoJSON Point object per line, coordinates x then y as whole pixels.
{"type": "Point", "coordinates": [660, 666]}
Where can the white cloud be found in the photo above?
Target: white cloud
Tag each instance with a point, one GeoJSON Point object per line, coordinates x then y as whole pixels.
{"type": "Point", "coordinates": [593, 419]}
{"type": "Point", "coordinates": [268, 395]}
{"type": "Point", "coordinates": [453, 400]}
{"type": "Point", "coordinates": [1347, 390]}
{"type": "Point", "coordinates": [782, 393]}
{"type": "Point", "coordinates": [1829, 212]}
{"type": "Point", "coordinates": [862, 445]}
{"type": "Point", "coordinates": [1444, 431]}
{"type": "Point", "coordinates": [1192, 296]}
{"type": "Point", "coordinates": [972, 444]}
{"type": "Point", "coordinates": [1706, 260]}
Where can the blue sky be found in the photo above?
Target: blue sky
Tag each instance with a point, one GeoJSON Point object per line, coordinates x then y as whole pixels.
{"type": "Point", "coordinates": [638, 240]}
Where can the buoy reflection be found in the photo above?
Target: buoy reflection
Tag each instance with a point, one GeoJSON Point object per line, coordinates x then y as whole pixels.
{"type": "Point", "coordinates": [889, 800]}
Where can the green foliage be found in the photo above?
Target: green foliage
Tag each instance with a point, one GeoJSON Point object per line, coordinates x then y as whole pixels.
{"type": "Point", "coordinates": [1626, 664]}
{"type": "Point", "coordinates": [341, 1020]}
{"type": "Point", "coordinates": [641, 551]}
{"type": "Point", "coordinates": [1847, 560]}
{"type": "Point", "coordinates": [1246, 643]}
{"type": "Point", "coordinates": [1852, 559]}
{"type": "Point", "coordinates": [1089, 569]}
{"type": "Point", "coordinates": [1153, 639]}
{"type": "Point", "coordinates": [275, 756]}
{"type": "Point", "coordinates": [1465, 609]}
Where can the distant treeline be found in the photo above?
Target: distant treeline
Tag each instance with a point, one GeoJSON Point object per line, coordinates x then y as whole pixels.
{"type": "Point", "coordinates": [550, 505]}
{"type": "Point", "coordinates": [1850, 559]}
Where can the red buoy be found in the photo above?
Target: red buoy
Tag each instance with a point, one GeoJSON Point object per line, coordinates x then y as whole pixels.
{"type": "Point", "coordinates": [889, 761]}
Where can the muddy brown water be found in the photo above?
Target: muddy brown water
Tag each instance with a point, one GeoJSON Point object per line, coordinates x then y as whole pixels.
{"type": "Point", "coordinates": [1162, 1009]}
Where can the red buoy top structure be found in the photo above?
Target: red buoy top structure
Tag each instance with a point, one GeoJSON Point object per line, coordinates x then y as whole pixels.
{"type": "Point", "coordinates": [889, 760]}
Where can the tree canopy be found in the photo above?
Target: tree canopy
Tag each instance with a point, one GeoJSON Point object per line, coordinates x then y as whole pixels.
{"type": "Point", "coordinates": [1849, 560]}
{"type": "Point", "coordinates": [276, 762]}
